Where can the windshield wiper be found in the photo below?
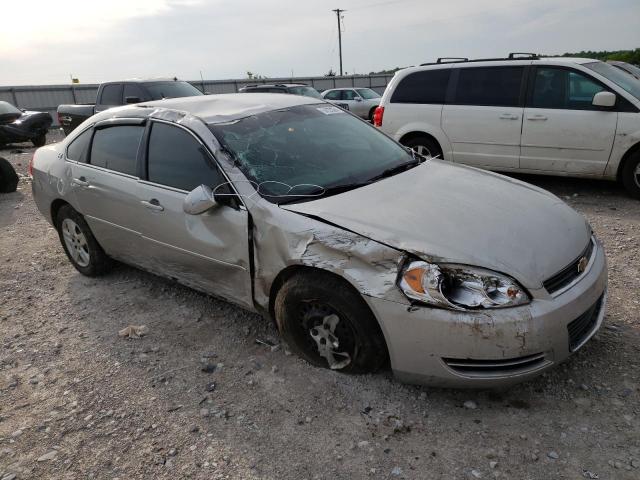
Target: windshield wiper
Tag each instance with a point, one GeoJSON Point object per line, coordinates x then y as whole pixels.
{"type": "Point", "coordinates": [389, 172]}
{"type": "Point", "coordinates": [327, 192]}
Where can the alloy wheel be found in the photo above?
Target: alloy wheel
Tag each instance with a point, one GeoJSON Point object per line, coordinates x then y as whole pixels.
{"type": "Point", "coordinates": [75, 242]}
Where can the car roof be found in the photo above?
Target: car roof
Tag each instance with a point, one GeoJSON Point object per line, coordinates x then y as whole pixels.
{"type": "Point", "coordinates": [270, 85]}
{"type": "Point", "coordinates": [146, 80]}
{"type": "Point", "coordinates": [229, 106]}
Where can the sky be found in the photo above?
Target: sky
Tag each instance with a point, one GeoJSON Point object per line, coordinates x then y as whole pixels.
{"type": "Point", "coordinates": [47, 42]}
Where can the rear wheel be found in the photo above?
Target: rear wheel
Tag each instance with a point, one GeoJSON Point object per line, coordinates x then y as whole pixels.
{"type": "Point", "coordinates": [326, 322]}
{"type": "Point", "coordinates": [8, 177]}
{"type": "Point", "coordinates": [424, 146]}
{"type": "Point", "coordinates": [81, 247]}
{"type": "Point", "coordinates": [40, 140]}
{"type": "Point", "coordinates": [631, 175]}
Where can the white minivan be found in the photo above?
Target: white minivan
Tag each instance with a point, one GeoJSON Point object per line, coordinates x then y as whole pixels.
{"type": "Point", "coordinates": [556, 116]}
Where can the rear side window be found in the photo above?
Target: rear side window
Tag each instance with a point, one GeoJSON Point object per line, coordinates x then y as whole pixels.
{"type": "Point", "coordinates": [562, 88]}
{"type": "Point", "coordinates": [77, 150]}
{"type": "Point", "coordinates": [334, 95]}
{"type": "Point", "coordinates": [116, 148]}
{"type": "Point", "coordinates": [177, 160]}
{"type": "Point", "coordinates": [111, 94]}
{"type": "Point", "coordinates": [492, 86]}
{"type": "Point", "coordinates": [133, 90]}
{"type": "Point", "coordinates": [429, 86]}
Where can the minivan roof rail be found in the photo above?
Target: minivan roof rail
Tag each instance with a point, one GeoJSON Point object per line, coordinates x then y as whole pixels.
{"type": "Point", "coordinates": [512, 56]}
{"type": "Point", "coordinates": [452, 59]}
{"type": "Point", "coordinates": [519, 55]}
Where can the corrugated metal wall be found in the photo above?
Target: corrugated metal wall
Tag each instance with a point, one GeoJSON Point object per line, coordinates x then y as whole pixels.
{"type": "Point", "coordinates": [48, 97]}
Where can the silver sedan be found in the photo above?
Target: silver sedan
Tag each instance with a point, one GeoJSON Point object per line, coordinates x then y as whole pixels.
{"type": "Point", "coordinates": [361, 251]}
{"type": "Point", "coordinates": [360, 101]}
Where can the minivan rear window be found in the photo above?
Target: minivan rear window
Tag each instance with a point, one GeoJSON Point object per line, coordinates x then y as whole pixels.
{"type": "Point", "coordinates": [427, 86]}
{"type": "Point", "coordinates": [491, 86]}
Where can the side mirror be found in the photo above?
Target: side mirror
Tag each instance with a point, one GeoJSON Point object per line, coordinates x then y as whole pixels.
{"type": "Point", "coordinates": [604, 99]}
{"type": "Point", "coordinates": [199, 200]}
{"type": "Point", "coordinates": [132, 100]}
{"type": "Point", "coordinates": [358, 99]}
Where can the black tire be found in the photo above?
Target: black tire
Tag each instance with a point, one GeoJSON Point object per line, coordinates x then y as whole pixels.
{"type": "Point", "coordinates": [8, 177]}
{"type": "Point", "coordinates": [98, 262]}
{"type": "Point", "coordinates": [424, 146]}
{"type": "Point", "coordinates": [630, 175]}
{"type": "Point", "coordinates": [306, 298]}
{"type": "Point", "coordinates": [40, 140]}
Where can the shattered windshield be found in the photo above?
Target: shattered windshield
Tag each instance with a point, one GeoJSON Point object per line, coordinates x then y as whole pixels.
{"type": "Point", "coordinates": [303, 152]}
{"type": "Point", "coordinates": [6, 107]}
{"type": "Point", "coordinates": [617, 76]}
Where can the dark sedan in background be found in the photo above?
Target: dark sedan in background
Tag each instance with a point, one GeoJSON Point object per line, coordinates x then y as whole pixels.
{"type": "Point", "coordinates": [22, 125]}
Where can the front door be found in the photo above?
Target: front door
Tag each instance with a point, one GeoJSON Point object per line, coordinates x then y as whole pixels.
{"type": "Point", "coordinates": [210, 251]}
{"type": "Point", "coordinates": [484, 119]}
{"type": "Point", "coordinates": [562, 130]}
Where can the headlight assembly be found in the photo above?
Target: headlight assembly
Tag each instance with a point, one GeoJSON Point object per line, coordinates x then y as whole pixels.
{"type": "Point", "coordinates": [460, 287]}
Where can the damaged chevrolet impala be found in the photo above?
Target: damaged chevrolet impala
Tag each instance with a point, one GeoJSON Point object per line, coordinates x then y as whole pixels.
{"type": "Point", "coordinates": [362, 252]}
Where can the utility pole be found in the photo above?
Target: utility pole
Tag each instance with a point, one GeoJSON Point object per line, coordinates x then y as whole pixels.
{"type": "Point", "coordinates": [338, 12]}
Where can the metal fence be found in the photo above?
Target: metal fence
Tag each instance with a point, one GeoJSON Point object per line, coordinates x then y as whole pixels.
{"type": "Point", "coordinates": [46, 98]}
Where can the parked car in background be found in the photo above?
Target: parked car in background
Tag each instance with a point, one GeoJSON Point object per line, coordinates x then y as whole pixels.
{"type": "Point", "coordinates": [114, 94]}
{"type": "Point", "coordinates": [18, 125]}
{"type": "Point", "coordinates": [359, 249]}
{"type": "Point", "coordinates": [360, 101]}
{"type": "Point", "coordinates": [626, 67]}
{"type": "Point", "coordinates": [554, 116]}
{"type": "Point", "coordinates": [290, 88]}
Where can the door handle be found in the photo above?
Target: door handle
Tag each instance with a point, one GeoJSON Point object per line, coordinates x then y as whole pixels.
{"type": "Point", "coordinates": [535, 118]}
{"type": "Point", "coordinates": [81, 182]}
{"type": "Point", "coordinates": [153, 204]}
{"type": "Point", "coordinates": [509, 116]}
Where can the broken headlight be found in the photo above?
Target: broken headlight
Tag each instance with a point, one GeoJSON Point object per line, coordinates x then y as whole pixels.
{"type": "Point", "coordinates": [460, 287]}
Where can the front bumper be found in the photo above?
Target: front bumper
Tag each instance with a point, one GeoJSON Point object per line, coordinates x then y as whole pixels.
{"type": "Point", "coordinates": [497, 347]}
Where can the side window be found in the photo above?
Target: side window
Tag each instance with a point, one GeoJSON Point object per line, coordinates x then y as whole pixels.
{"type": "Point", "coordinates": [177, 160]}
{"type": "Point", "coordinates": [77, 150]}
{"type": "Point", "coordinates": [428, 86]}
{"type": "Point", "coordinates": [111, 94]}
{"type": "Point", "coordinates": [335, 95]}
{"type": "Point", "coordinates": [116, 148]}
{"type": "Point", "coordinates": [349, 95]}
{"type": "Point", "coordinates": [563, 88]}
{"type": "Point", "coordinates": [494, 86]}
{"type": "Point", "coordinates": [133, 90]}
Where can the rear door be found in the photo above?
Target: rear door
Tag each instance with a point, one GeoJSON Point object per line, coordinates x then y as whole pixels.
{"type": "Point", "coordinates": [562, 130]}
{"type": "Point", "coordinates": [208, 251]}
{"type": "Point", "coordinates": [110, 96]}
{"type": "Point", "coordinates": [105, 183]}
{"type": "Point", "coordinates": [483, 121]}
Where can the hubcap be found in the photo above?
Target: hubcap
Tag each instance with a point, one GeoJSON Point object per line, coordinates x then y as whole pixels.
{"type": "Point", "coordinates": [636, 175]}
{"type": "Point", "coordinates": [422, 150]}
{"type": "Point", "coordinates": [75, 242]}
{"type": "Point", "coordinates": [332, 338]}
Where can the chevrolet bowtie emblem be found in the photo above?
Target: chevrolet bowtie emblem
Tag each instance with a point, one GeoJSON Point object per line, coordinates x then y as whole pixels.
{"type": "Point", "coordinates": [582, 264]}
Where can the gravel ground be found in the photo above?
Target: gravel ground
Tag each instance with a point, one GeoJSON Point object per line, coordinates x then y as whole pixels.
{"type": "Point", "coordinates": [77, 401]}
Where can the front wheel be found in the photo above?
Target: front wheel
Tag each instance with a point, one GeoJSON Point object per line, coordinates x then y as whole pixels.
{"type": "Point", "coordinates": [326, 322]}
{"type": "Point", "coordinates": [631, 175]}
{"type": "Point", "coordinates": [81, 247]}
{"type": "Point", "coordinates": [40, 140]}
{"type": "Point", "coordinates": [424, 146]}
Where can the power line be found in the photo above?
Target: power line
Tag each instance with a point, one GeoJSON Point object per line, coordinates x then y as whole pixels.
{"type": "Point", "coordinates": [338, 12]}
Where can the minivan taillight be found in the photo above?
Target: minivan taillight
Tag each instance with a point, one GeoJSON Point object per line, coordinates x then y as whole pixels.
{"type": "Point", "coordinates": [377, 116]}
{"type": "Point", "coordinates": [31, 166]}
{"type": "Point", "coordinates": [59, 119]}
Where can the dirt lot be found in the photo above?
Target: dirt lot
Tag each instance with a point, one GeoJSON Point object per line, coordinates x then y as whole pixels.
{"type": "Point", "coordinates": [77, 401]}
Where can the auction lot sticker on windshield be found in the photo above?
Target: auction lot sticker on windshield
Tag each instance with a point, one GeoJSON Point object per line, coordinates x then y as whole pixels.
{"type": "Point", "coordinates": [330, 110]}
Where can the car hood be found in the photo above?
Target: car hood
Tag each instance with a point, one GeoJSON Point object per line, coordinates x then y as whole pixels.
{"type": "Point", "coordinates": [448, 213]}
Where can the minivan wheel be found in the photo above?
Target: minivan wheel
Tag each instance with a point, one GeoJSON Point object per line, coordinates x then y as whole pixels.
{"type": "Point", "coordinates": [631, 175]}
{"type": "Point", "coordinates": [326, 322]}
{"type": "Point", "coordinates": [424, 146]}
{"type": "Point", "coordinates": [81, 247]}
